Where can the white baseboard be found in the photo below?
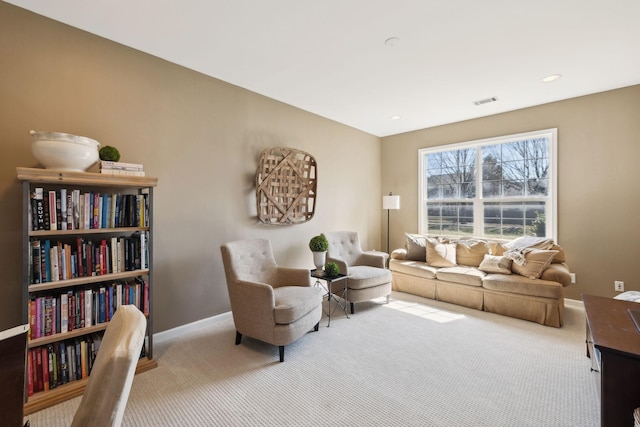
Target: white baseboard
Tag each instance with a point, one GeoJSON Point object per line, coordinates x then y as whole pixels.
{"type": "Point", "coordinates": [574, 302]}
{"type": "Point", "coordinates": [182, 329]}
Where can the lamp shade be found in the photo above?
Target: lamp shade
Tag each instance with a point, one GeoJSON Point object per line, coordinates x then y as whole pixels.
{"type": "Point", "coordinates": [390, 202]}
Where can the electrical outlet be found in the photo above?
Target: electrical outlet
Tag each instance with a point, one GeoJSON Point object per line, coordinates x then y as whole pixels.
{"type": "Point", "coordinates": [573, 277]}
{"type": "Point", "coordinates": [619, 285]}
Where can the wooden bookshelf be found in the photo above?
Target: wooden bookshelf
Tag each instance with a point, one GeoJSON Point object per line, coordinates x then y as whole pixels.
{"type": "Point", "coordinates": [138, 188]}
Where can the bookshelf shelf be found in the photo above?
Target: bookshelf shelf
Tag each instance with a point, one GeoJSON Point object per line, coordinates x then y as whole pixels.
{"type": "Point", "coordinates": [53, 233]}
{"type": "Point", "coordinates": [87, 280]}
{"type": "Point", "coordinates": [37, 342]}
{"type": "Point", "coordinates": [102, 259]}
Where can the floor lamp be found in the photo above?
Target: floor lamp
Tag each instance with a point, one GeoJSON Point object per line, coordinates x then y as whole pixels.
{"type": "Point", "coordinates": [390, 202]}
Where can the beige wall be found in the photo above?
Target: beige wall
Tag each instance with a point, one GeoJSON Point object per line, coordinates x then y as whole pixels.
{"type": "Point", "coordinates": [201, 137]}
{"type": "Point", "coordinates": [598, 179]}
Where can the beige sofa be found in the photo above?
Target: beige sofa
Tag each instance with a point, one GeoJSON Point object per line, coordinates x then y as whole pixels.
{"type": "Point", "coordinates": [523, 278]}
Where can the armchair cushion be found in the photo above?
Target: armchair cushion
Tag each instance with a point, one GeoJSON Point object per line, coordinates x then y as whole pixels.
{"type": "Point", "coordinates": [294, 302]}
{"type": "Point", "coordinates": [363, 276]}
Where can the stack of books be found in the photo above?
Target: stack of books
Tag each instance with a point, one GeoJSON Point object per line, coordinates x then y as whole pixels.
{"type": "Point", "coordinates": [121, 168]}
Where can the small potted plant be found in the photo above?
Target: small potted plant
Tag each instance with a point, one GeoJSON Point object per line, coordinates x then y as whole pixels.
{"type": "Point", "coordinates": [319, 245]}
{"type": "Point", "coordinates": [332, 269]}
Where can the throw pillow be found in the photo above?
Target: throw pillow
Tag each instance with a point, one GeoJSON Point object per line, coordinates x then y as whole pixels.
{"type": "Point", "coordinates": [530, 242]}
{"type": "Point", "coordinates": [495, 264]}
{"type": "Point", "coordinates": [536, 261]}
{"type": "Point", "coordinates": [498, 249]}
{"type": "Point", "coordinates": [441, 254]}
{"type": "Point", "coordinates": [416, 246]}
{"type": "Point", "coordinates": [560, 256]}
{"type": "Point", "coordinates": [471, 252]}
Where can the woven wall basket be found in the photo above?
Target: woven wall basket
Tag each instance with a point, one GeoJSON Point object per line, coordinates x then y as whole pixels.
{"type": "Point", "coordinates": [286, 182]}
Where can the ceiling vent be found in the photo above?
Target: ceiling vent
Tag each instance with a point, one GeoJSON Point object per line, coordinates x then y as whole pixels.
{"type": "Point", "coordinates": [485, 101]}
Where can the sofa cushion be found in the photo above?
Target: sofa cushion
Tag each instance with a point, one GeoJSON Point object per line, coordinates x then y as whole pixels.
{"type": "Point", "coordinates": [495, 264]}
{"type": "Point", "coordinates": [536, 261]}
{"type": "Point", "coordinates": [471, 252]}
{"type": "Point", "coordinates": [522, 285]}
{"type": "Point", "coordinates": [364, 276]}
{"type": "Point", "coordinates": [441, 254]}
{"type": "Point", "coordinates": [413, 268]}
{"type": "Point", "coordinates": [416, 246]}
{"type": "Point", "coordinates": [460, 274]}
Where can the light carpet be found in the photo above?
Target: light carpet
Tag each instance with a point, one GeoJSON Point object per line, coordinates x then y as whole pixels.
{"type": "Point", "coordinates": [412, 362]}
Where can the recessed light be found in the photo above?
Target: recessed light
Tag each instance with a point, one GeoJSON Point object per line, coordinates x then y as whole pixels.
{"type": "Point", "coordinates": [551, 78]}
{"type": "Point", "coordinates": [486, 100]}
{"type": "Point", "coordinates": [396, 117]}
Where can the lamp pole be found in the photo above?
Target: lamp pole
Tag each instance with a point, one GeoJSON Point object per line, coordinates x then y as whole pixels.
{"type": "Point", "coordinates": [390, 202]}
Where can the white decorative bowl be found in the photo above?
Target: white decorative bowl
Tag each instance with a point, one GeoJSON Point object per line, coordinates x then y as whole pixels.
{"type": "Point", "coordinates": [63, 151]}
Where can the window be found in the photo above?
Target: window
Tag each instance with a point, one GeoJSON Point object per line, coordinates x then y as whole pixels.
{"type": "Point", "coordinates": [501, 187]}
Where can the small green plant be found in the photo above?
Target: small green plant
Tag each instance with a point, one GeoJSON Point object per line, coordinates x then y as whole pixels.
{"type": "Point", "coordinates": [109, 153]}
{"type": "Point", "coordinates": [319, 243]}
{"type": "Point", "coordinates": [331, 268]}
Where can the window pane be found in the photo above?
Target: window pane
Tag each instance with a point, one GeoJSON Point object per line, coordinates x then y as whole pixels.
{"type": "Point", "coordinates": [512, 188]}
{"type": "Point", "coordinates": [450, 218]}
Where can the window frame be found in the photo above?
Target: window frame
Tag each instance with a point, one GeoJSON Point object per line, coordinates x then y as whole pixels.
{"type": "Point", "coordinates": [551, 199]}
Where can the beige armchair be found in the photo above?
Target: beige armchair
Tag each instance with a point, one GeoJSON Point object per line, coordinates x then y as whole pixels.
{"type": "Point", "coordinates": [368, 277]}
{"type": "Point", "coordinates": [273, 304]}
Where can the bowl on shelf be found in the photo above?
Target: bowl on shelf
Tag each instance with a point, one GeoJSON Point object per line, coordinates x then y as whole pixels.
{"type": "Point", "coordinates": [63, 151]}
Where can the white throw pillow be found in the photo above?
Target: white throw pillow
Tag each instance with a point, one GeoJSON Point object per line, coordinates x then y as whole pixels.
{"type": "Point", "coordinates": [495, 264]}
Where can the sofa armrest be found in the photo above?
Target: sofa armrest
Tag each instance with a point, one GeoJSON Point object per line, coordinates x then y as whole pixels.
{"type": "Point", "coordinates": [557, 272]}
{"type": "Point", "coordinates": [400, 253]}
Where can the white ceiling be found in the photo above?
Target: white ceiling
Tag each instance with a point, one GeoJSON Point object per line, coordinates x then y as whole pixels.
{"type": "Point", "coordinates": [329, 57]}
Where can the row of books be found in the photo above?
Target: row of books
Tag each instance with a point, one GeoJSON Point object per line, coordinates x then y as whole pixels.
{"type": "Point", "coordinates": [72, 210]}
{"type": "Point", "coordinates": [59, 363]}
{"type": "Point", "coordinates": [63, 312]}
{"type": "Point", "coordinates": [51, 261]}
{"type": "Point", "coordinates": [121, 168]}
{"type": "Point", "coordinates": [56, 364]}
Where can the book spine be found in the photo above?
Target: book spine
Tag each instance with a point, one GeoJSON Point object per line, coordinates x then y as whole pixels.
{"type": "Point", "coordinates": [30, 382]}
{"type": "Point", "coordinates": [76, 208]}
{"type": "Point", "coordinates": [36, 262]}
{"type": "Point", "coordinates": [63, 209]}
{"type": "Point", "coordinates": [64, 367]}
{"type": "Point", "coordinates": [53, 218]}
{"type": "Point", "coordinates": [88, 211]}
{"type": "Point", "coordinates": [108, 164]}
{"type": "Point", "coordinates": [45, 367]}
{"type": "Point", "coordinates": [88, 310]}
{"type": "Point", "coordinates": [96, 211]}
{"type": "Point", "coordinates": [64, 313]}
{"type": "Point", "coordinates": [38, 209]}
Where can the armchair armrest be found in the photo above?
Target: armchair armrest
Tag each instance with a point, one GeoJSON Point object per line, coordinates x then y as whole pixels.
{"type": "Point", "coordinates": [373, 259]}
{"type": "Point", "coordinates": [251, 301]}
{"type": "Point", "coordinates": [286, 276]}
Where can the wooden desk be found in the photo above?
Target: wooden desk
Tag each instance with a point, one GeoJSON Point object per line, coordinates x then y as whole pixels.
{"type": "Point", "coordinates": [613, 343]}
